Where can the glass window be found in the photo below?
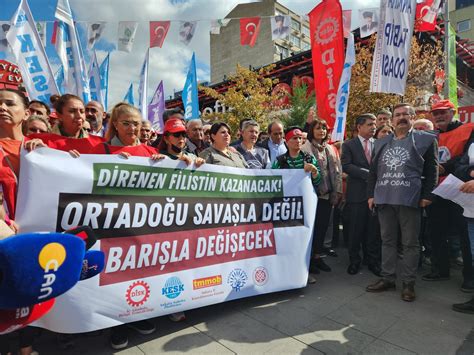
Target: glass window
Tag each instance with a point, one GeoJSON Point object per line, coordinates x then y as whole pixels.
{"type": "Point", "coordinates": [464, 26]}
{"type": "Point", "coordinates": [295, 24]}
{"type": "Point", "coordinates": [306, 31]}
{"type": "Point", "coordinates": [463, 3]}
{"type": "Point", "coordinates": [284, 52]}
{"type": "Point", "coordinates": [295, 41]}
{"type": "Point", "coordinates": [305, 46]}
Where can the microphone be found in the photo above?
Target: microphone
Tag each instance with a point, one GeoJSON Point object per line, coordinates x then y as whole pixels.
{"type": "Point", "coordinates": [37, 267]}
{"type": "Point", "coordinates": [14, 319]}
{"type": "Point", "coordinates": [93, 264]}
{"type": "Point", "coordinates": [86, 233]}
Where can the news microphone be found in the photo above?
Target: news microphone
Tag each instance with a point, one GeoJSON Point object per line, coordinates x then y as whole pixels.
{"type": "Point", "coordinates": [86, 233]}
{"type": "Point", "coordinates": [37, 267]}
{"type": "Point", "coordinates": [14, 319]}
{"type": "Point", "coordinates": [93, 264]}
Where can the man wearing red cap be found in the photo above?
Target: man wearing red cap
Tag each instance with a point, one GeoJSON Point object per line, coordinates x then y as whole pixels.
{"type": "Point", "coordinates": [454, 140]}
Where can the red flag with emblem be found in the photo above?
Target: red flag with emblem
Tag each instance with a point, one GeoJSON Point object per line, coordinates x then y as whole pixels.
{"type": "Point", "coordinates": [158, 32]}
{"type": "Point", "coordinates": [249, 29]}
{"type": "Point", "coordinates": [327, 52]}
{"type": "Point", "coordinates": [426, 14]}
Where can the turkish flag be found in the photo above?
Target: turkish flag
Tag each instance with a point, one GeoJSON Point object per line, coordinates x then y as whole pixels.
{"type": "Point", "coordinates": [158, 32]}
{"type": "Point", "coordinates": [249, 29]}
{"type": "Point", "coordinates": [425, 16]}
{"type": "Point", "coordinates": [327, 52]}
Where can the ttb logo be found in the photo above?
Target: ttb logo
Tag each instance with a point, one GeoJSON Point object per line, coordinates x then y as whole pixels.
{"type": "Point", "coordinates": [237, 279]}
{"type": "Point", "coordinates": [173, 287]}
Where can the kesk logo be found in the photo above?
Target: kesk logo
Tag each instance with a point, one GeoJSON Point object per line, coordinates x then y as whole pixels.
{"type": "Point", "coordinates": [50, 258]}
{"type": "Point", "coordinates": [260, 276]}
{"type": "Point", "coordinates": [207, 282]}
{"type": "Point", "coordinates": [137, 293]}
{"type": "Point", "coordinates": [237, 279]}
{"type": "Point", "coordinates": [173, 287]}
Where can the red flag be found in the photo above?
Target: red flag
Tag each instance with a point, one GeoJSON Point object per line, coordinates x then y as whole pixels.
{"type": "Point", "coordinates": [425, 17]}
{"type": "Point", "coordinates": [346, 20]}
{"type": "Point", "coordinates": [249, 29]}
{"type": "Point", "coordinates": [327, 52]}
{"type": "Point", "coordinates": [158, 32]}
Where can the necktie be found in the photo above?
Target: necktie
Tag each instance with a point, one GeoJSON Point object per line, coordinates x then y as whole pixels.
{"type": "Point", "coordinates": [367, 150]}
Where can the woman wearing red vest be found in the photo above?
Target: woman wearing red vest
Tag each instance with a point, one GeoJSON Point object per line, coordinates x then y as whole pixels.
{"type": "Point", "coordinates": [13, 112]}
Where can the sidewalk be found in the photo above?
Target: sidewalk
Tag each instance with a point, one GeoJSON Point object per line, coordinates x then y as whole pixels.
{"type": "Point", "coordinates": [333, 316]}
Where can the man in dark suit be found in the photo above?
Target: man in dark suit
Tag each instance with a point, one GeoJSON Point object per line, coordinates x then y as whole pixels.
{"type": "Point", "coordinates": [355, 158]}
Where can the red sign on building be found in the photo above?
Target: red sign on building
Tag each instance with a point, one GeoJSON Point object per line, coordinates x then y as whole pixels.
{"type": "Point", "coordinates": [10, 75]}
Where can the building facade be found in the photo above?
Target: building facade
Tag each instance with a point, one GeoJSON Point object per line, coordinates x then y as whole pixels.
{"type": "Point", "coordinates": [226, 51]}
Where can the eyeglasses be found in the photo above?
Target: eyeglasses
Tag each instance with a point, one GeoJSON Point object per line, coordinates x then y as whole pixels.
{"type": "Point", "coordinates": [129, 123]}
{"type": "Point", "coordinates": [178, 134]}
{"type": "Point", "coordinates": [88, 129]}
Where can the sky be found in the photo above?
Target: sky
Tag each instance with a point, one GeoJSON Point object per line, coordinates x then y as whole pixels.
{"type": "Point", "coordinates": [169, 63]}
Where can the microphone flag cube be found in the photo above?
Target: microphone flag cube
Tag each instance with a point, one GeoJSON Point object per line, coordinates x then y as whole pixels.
{"type": "Point", "coordinates": [37, 267]}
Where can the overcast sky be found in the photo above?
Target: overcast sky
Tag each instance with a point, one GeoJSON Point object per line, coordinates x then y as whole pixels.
{"type": "Point", "coordinates": [169, 63]}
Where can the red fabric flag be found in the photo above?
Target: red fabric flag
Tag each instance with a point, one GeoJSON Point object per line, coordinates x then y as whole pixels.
{"type": "Point", "coordinates": [346, 20]}
{"type": "Point", "coordinates": [158, 32]}
{"type": "Point", "coordinates": [425, 16]}
{"type": "Point", "coordinates": [249, 29]}
{"type": "Point", "coordinates": [327, 51]}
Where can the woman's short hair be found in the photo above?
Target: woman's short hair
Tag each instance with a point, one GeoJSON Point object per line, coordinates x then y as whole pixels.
{"type": "Point", "coordinates": [317, 123]}
{"type": "Point", "coordinates": [122, 108]}
{"type": "Point", "coordinates": [36, 118]}
{"type": "Point", "coordinates": [63, 100]}
{"type": "Point", "coordinates": [377, 131]}
{"type": "Point", "coordinates": [216, 127]}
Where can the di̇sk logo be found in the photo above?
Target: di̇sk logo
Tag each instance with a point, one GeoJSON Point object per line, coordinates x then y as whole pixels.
{"type": "Point", "coordinates": [137, 293]}
{"type": "Point", "coordinates": [173, 287]}
{"type": "Point", "coordinates": [326, 31]}
{"type": "Point", "coordinates": [50, 258]}
{"type": "Point", "coordinates": [237, 279]}
{"type": "Point", "coordinates": [395, 157]}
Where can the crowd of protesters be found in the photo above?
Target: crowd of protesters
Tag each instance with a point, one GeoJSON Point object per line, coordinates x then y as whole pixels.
{"type": "Point", "coordinates": [387, 217]}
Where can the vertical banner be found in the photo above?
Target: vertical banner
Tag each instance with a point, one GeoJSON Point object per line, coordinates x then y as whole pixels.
{"type": "Point", "coordinates": [368, 22]}
{"type": "Point", "coordinates": [41, 28]}
{"type": "Point", "coordinates": [143, 87]}
{"type": "Point", "coordinates": [426, 14]}
{"type": "Point", "coordinates": [158, 32]}
{"type": "Point", "coordinates": [249, 29]}
{"type": "Point", "coordinates": [280, 26]}
{"type": "Point", "coordinates": [327, 51]}
{"type": "Point", "coordinates": [186, 31]}
{"type": "Point", "coordinates": [392, 49]}
{"type": "Point", "coordinates": [129, 96]}
{"type": "Point", "coordinates": [59, 78]}
{"type": "Point", "coordinates": [30, 55]}
{"type": "Point", "coordinates": [342, 99]}
{"type": "Point", "coordinates": [104, 80]}
{"type": "Point", "coordinates": [4, 27]}
{"type": "Point", "coordinates": [346, 21]}
{"type": "Point", "coordinates": [69, 51]}
{"type": "Point", "coordinates": [94, 80]}
{"type": "Point", "coordinates": [126, 35]}
{"type": "Point", "coordinates": [94, 32]}
{"type": "Point", "coordinates": [452, 79]}
{"type": "Point", "coordinates": [190, 93]}
{"type": "Point", "coordinates": [217, 24]}
{"type": "Point", "coordinates": [156, 109]}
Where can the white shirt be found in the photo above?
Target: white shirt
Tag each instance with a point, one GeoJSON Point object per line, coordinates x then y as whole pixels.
{"type": "Point", "coordinates": [276, 150]}
{"type": "Point", "coordinates": [370, 145]}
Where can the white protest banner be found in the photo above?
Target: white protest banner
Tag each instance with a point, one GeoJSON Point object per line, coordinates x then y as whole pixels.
{"type": "Point", "coordinates": [126, 35]}
{"type": "Point", "coordinates": [342, 98]}
{"type": "Point", "coordinates": [30, 55]}
{"type": "Point", "coordinates": [392, 49]}
{"type": "Point", "coordinates": [175, 237]}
